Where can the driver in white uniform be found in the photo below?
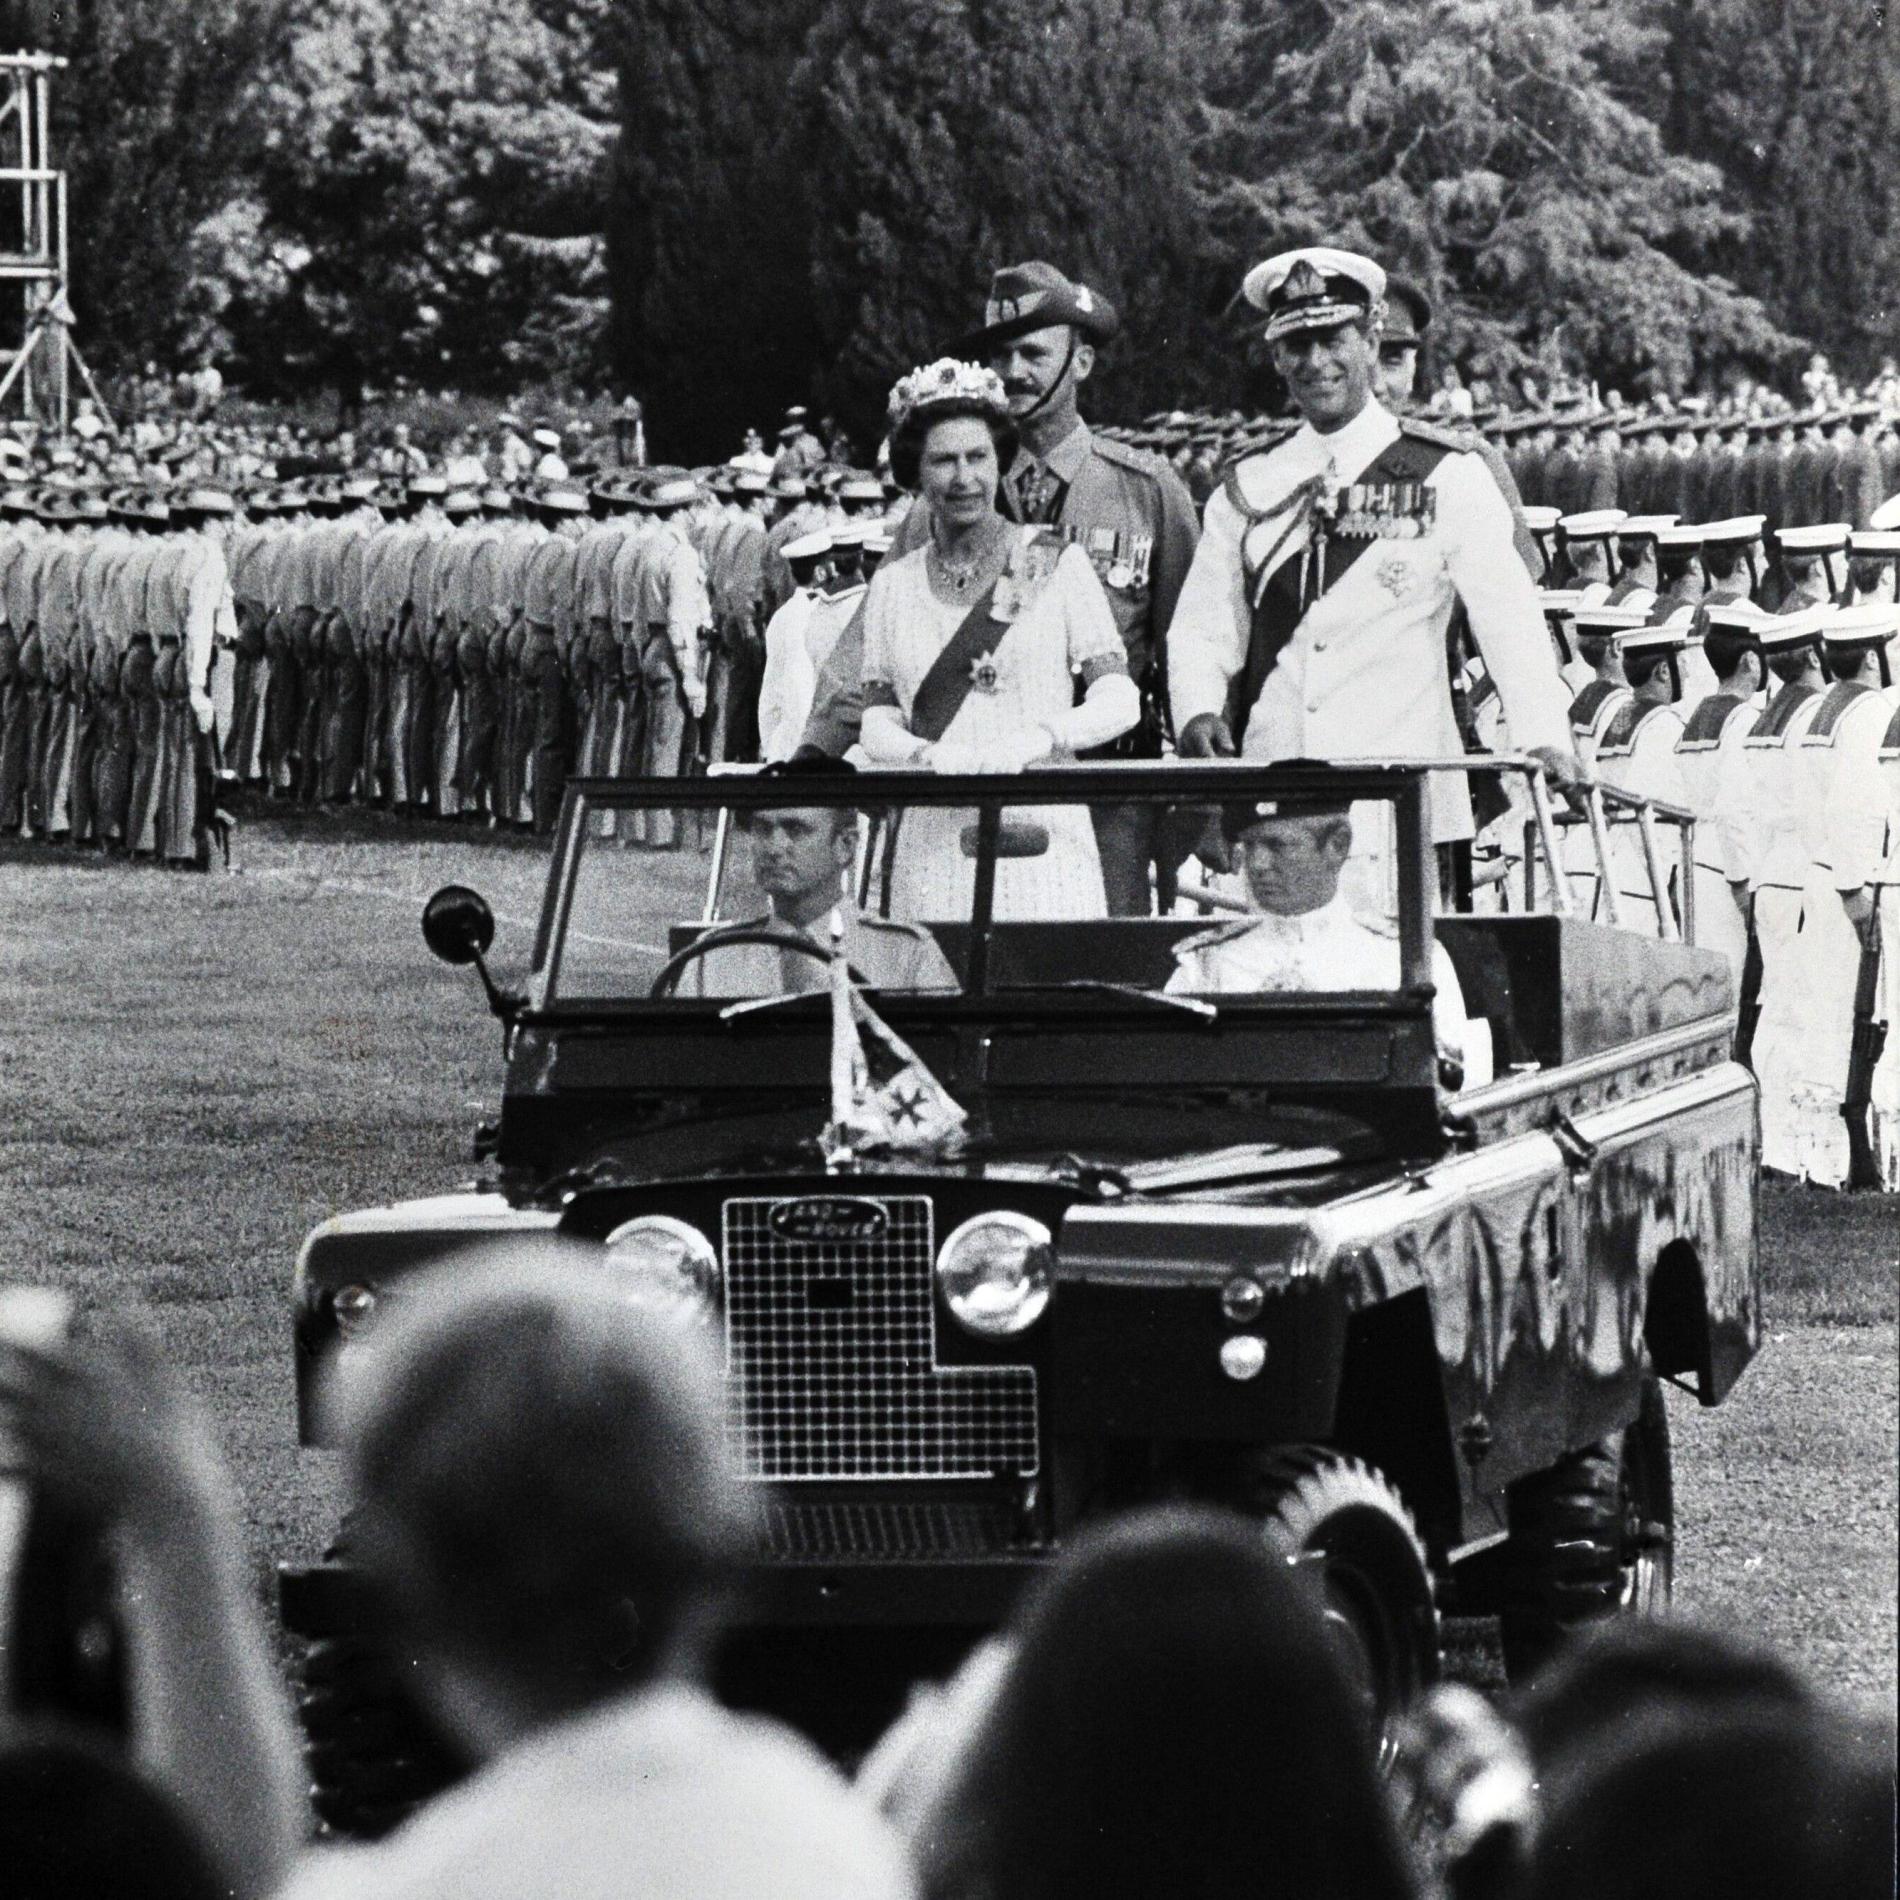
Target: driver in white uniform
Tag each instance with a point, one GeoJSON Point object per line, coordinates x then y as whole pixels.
{"type": "Point", "coordinates": [1308, 936]}
{"type": "Point", "coordinates": [801, 862]}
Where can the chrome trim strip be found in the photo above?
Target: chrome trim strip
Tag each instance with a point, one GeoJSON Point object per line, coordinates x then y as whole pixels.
{"type": "Point", "coordinates": [1514, 1090]}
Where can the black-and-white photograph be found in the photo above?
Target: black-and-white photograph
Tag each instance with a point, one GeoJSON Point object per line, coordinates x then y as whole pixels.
{"type": "Point", "coordinates": [949, 949]}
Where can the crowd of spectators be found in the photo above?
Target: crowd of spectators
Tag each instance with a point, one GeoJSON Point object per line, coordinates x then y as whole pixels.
{"type": "Point", "coordinates": [543, 1504]}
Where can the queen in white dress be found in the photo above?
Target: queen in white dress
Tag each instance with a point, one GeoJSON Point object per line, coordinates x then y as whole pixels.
{"type": "Point", "coordinates": [1005, 698]}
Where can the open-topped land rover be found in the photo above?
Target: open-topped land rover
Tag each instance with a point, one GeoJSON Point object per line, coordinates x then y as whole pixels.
{"type": "Point", "coordinates": [1377, 1223]}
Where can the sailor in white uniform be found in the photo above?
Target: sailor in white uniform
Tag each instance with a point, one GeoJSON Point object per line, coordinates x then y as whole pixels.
{"type": "Point", "coordinates": [1844, 811]}
{"type": "Point", "coordinates": [1707, 756]}
{"type": "Point", "coordinates": [1588, 564]}
{"type": "Point", "coordinates": [789, 681]}
{"type": "Point", "coordinates": [1781, 850]}
{"type": "Point", "coordinates": [1637, 753]}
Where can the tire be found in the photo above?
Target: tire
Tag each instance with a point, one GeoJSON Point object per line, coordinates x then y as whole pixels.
{"type": "Point", "coordinates": [372, 1756]}
{"type": "Point", "coordinates": [1342, 1521]}
{"type": "Point", "coordinates": [1591, 1538]}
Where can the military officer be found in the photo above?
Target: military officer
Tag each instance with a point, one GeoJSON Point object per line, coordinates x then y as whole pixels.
{"type": "Point", "coordinates": [675, 612]}
{"type": "Point", "coordinates": [801, 861]}
{"type": "Point", "coordinates": [1408, 315]}
{"type": "Point", "coordinates": [1313, 620]}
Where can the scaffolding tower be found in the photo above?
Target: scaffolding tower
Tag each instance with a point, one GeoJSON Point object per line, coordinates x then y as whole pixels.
{"type": "Point", "coordinates": [37, 379]}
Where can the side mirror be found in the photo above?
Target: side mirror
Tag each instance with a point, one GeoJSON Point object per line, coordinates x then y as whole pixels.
{"type": "Point", "coordinates": [458, 925]}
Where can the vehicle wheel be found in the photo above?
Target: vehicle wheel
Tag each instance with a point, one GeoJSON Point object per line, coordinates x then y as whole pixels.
{"type": "Point", "coordinates": [372, 1755]}
{"type": "Point", "coordinates": [1337, 1516]}
{"type": "Point", "coordinates": [1591, 1538]}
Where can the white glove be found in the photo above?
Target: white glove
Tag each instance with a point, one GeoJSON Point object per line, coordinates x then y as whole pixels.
{"type": "Point", "coordinates": [695, 698]}
{"type": "Point", "coordinates": [1012, 751]}
{"type": "Point", "coordinates": [952, 759]}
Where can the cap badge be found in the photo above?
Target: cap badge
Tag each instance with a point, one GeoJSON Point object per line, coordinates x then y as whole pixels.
{"type": "Point", "coordinates": [1303, 281]}
{"type": "Point", "coordinates": [984, 677]}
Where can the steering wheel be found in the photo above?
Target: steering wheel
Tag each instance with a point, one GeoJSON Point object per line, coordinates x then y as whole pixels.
{"type": "Point", "coordinates": [668, 979]}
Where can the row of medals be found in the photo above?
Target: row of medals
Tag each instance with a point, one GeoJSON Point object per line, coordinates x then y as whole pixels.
{"type": "Point", "coordinates": [1384, 511]}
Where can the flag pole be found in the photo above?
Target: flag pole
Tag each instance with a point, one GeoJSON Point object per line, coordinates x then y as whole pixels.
{"type": "Point", "coordinates": [844, 1036]}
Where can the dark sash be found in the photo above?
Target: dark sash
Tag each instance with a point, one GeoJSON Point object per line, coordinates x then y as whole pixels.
{"type": "Point", "coordinates": [1278, 603]}
{"type": "Point", "coordinates": [947, 685]}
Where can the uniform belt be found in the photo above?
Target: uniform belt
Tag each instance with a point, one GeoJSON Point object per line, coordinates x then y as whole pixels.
{"type": "Point", "coordinates": [168, 640]}
{"type": "Point", "coordinates": [139, 639]}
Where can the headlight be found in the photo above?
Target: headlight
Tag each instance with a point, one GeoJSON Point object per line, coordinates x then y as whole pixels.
{"type": "Point", "coordinates": [997, 1272]}
{"type": "Point", "coordinates": [665, 1265]}
{"type": "Point", "coordinates": [354, 1307]}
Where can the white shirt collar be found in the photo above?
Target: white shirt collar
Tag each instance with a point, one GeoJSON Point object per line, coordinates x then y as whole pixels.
{"type": "Point", "coordinates": [1367, 435]}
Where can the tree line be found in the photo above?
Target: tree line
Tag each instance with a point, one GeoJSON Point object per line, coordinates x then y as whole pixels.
{"type": "Point", "coordinates": [725, 204]}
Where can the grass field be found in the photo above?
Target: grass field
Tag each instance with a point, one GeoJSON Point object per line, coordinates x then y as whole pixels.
{"type": "Point", "coordinates": [195, 1070]}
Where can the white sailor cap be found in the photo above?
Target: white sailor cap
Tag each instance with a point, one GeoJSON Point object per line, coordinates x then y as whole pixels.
{"type": "Point", "coordinates": [1559, 600]}
{"type": "Point", "coordinates": [1733, 616]}
{"type": "Point", "coordinates": [1596, 524]}
{"type": "Point", "coordinates": [1870, 623]}
{"type": "Point", "coordinates": [878, 541]}
{"type": "Point", "coordinates": [1875, 544]}
{"type": "Point", "coordinates": [808, 547]}
{"type": "Point", "coordinates": [1782, 633]}
{"type": "Point", "coordinates": [546, 438]}
{"type": "Point", "coordinates": [1680, 537]}
{"type": "Point", "coordinates": [1540, 519]}
{"type": "Point", "coordinates": [1315, 288]}
{"type": "Point", "coordinates": [1622, 617]}
{"type": "Point", "coordinates": [1829, 537]}
{"type": "Point", "coordinates": [1887, 515]}
{"type": "Point", "coordinates": [1643, 527]}
{"type": "Point", "coordinates": [1672, 636]}
{"type": "Point", "coordinates": [1735, 528]}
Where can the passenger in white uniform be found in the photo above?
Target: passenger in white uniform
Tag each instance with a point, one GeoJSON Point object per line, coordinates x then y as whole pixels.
{"type": "Point", "coordinates": [1780, 854]}
{"type": "Point", "coordinates": [1844, 806]}
{"type": "Point", "coordinates": [1707, 756]}
{"type": "Point", "coordinates": [1308, 936]}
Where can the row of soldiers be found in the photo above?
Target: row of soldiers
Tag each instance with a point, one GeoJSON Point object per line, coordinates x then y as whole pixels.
{"type": "Point", "coordinates": [1795, 469]}
{"type": "Point", "coordinates": [1761, 695]}
{"type": "Point", "coordinates": [426, 649]}
{"type": "Point", "coordinates": [111, 611]}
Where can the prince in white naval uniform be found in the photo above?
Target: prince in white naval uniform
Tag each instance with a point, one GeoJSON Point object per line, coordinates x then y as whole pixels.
{"type": "Point", "coordinates": [1312, 622]}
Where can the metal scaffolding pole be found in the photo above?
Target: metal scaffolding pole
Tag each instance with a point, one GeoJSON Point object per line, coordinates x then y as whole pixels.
{"type": "Point", "coordinates": [37, 379]}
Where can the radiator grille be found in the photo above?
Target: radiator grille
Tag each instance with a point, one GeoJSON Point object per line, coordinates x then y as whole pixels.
{"type": "Point", "coordinates": [830, 1359]}
{"type": "Point", "coordinates": [886, 1530]}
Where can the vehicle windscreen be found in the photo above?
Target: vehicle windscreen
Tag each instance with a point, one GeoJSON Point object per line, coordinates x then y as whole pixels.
{"type": "Point", "coordinates": [748, 892]}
